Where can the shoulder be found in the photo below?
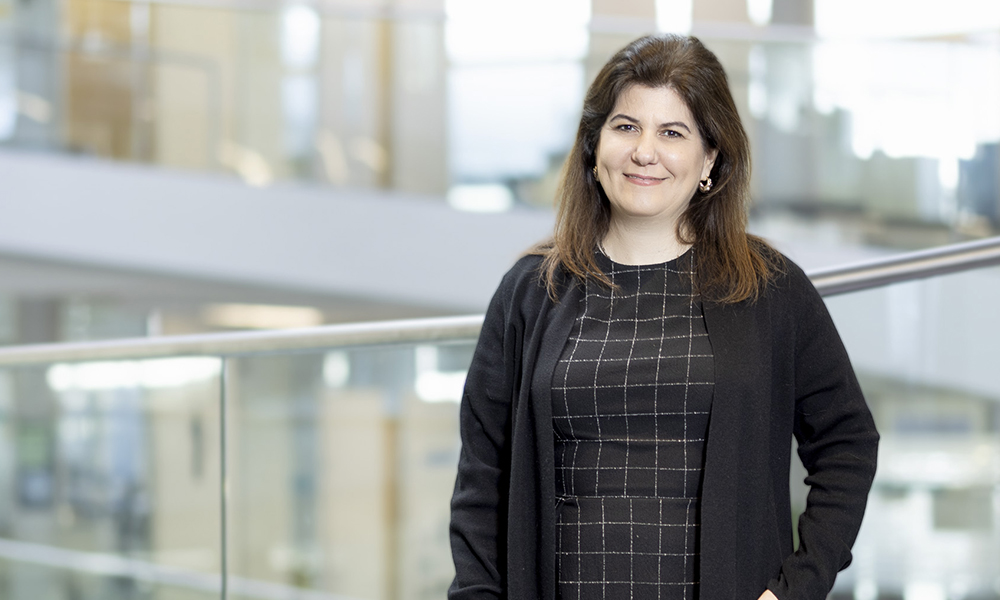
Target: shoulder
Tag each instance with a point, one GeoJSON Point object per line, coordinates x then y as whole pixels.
{"type": "Point", "coordinates": [795, 303]}
{"type": "Point", "coordinates": [787, 295]}
{"type": "Point", "coordinates": [790, 282]}
{"type": "Point", "coordinates": [521, 287]}
{"type": "Point", "coordinates": [523, 279]}
{"type": "Point", "coordinates": [526, 267]}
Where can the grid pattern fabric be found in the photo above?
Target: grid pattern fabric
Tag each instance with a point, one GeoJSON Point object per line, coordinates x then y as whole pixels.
{"type": "Point", "coordinates": [631, 395]}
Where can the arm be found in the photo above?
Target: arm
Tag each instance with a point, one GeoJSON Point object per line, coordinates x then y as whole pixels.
{"type": "Point", "coordinates": [479, 500]}
{"type": "Point", "coordinates": [837, 445]}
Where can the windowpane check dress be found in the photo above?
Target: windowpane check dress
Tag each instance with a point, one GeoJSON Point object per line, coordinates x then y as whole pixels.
{"type": "Point", "coordinates": [631, 395]}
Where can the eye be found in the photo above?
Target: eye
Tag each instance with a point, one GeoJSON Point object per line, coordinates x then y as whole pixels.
{"type": "Point", "coordinates": [625, 127]}
{"type": "Point", "coordinates": [672, 133]}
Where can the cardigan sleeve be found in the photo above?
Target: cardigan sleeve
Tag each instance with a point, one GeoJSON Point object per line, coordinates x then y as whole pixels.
{"type": "Point", "coordinates": [837, 443]}
{"type": "Point", "coordinates": [479, 499]}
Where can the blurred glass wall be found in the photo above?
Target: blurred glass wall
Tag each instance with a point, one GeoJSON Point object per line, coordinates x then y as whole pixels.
{"type": "Point", "coordinates": [875, 114]}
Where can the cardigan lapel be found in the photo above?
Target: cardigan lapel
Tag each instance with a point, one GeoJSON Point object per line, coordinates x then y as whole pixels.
{"type": "Point", "coordinates": [532, 529]}
{"type": "Point", "coordinates": [735, 341]}
{"type": "Point", "coordinates": [560, 323]}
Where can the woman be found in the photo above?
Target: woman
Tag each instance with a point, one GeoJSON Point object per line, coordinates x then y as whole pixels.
{"type": "Point", "coordinates": [628, 415]}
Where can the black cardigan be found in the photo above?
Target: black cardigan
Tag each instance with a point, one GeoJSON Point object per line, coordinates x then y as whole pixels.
{"type": "Point", "coordinates": [780, 370]}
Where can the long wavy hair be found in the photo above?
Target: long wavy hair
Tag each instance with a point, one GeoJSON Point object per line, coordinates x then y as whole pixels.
{"type": "Point", "coordinates": [731, 265]}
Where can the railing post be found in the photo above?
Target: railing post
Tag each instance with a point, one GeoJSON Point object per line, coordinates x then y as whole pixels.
{"type": "Point", "coordinates": [223, 480]}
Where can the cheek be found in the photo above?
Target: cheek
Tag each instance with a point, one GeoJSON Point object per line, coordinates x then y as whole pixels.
{"type": "Point", "coordinates": [610, 152]}
{"type": "Point", "coordinates": [602, 156]}
{"type": "Point", "coordinates": [680, 163]}
{"type": "Point", "coordinates": [600, 149]}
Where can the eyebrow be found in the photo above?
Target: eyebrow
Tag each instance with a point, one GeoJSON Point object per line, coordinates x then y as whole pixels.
{"type": "Point", "coordinates": [636, 121]}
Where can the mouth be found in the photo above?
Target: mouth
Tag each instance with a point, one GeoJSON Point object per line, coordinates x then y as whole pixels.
{"type": "Point", "coordinates": [643, 179]}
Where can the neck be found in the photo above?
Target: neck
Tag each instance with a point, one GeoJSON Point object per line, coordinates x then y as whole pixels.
{"type": "Point", "coordinates": [642, 242]}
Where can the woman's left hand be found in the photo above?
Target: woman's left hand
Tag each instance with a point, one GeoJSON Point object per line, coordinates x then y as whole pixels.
{"type": "Point", "coordinates": [767, 595]}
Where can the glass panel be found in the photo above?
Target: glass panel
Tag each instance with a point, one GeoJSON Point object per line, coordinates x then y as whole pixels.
{"type": "Point", "coordinates": [342, 466]}
{"type": "Point", "coordinates": [109, 480]}
{"type": "Point", "coordinates": [927, 354]}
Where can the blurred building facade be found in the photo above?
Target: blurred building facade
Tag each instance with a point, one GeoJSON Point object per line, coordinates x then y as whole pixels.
{"type": "Point", "coordinates": [134, 136]}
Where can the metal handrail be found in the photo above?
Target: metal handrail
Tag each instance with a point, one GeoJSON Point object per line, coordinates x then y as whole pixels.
{"type": "Point", "coordinates": [910, 266]}
{"type": "Point", "coordinates": [251, 342]}
{"type": "Point", "coordinates": [839, 280]}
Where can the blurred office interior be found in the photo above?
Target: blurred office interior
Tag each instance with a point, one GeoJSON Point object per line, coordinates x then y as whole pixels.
{"type": "Point", "coordinates": [215, 168]}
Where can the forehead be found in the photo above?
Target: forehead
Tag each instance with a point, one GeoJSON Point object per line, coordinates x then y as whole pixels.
{"type": "Point", "coordinates": [661, 104]}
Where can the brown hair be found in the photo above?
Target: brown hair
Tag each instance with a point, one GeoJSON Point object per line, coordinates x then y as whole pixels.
{"type": "Point", "coordinates": [731, 264]}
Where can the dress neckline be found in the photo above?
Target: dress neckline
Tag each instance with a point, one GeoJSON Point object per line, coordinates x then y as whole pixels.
{"type": "Point", "coordinates": [606, 263]}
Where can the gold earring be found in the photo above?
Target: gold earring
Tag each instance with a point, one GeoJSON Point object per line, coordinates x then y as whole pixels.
{"type": "Point", "coordinates": [705, 184]}
{"type": "Point", "coordinates": [595, 173]}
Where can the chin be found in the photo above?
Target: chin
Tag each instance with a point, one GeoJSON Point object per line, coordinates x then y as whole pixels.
{"type": "Point", "coordinates": [651, 212]}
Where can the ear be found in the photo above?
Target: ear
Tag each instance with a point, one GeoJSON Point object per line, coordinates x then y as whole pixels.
{"type": "Point", "coordinates": [710, 157]}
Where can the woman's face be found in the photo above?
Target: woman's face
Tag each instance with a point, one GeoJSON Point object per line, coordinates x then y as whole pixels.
{"type": "Point", "coordinates": [650, 155]}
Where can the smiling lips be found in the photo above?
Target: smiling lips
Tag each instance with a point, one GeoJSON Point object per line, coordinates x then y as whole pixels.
{"type": "Point", "coordinates": [643, 179]}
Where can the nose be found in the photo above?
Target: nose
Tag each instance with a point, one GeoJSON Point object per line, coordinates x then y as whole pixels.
{"type": "Point", "coordinates": [644, 152]}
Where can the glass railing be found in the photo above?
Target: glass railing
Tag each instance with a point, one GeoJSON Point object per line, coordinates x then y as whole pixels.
{"type": "Point", "coordinates": [294, 464]}
{"type": "Point", "coordinates": [110, 474]}
{"type": "Point", "coordinates": [434, 102]}
{"type": "Point", "coordinates": [927, 354]}
{"type": "Point", "coordinates": [337, 472]}
{"type": "Point", "coordinates": [318, 464]}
